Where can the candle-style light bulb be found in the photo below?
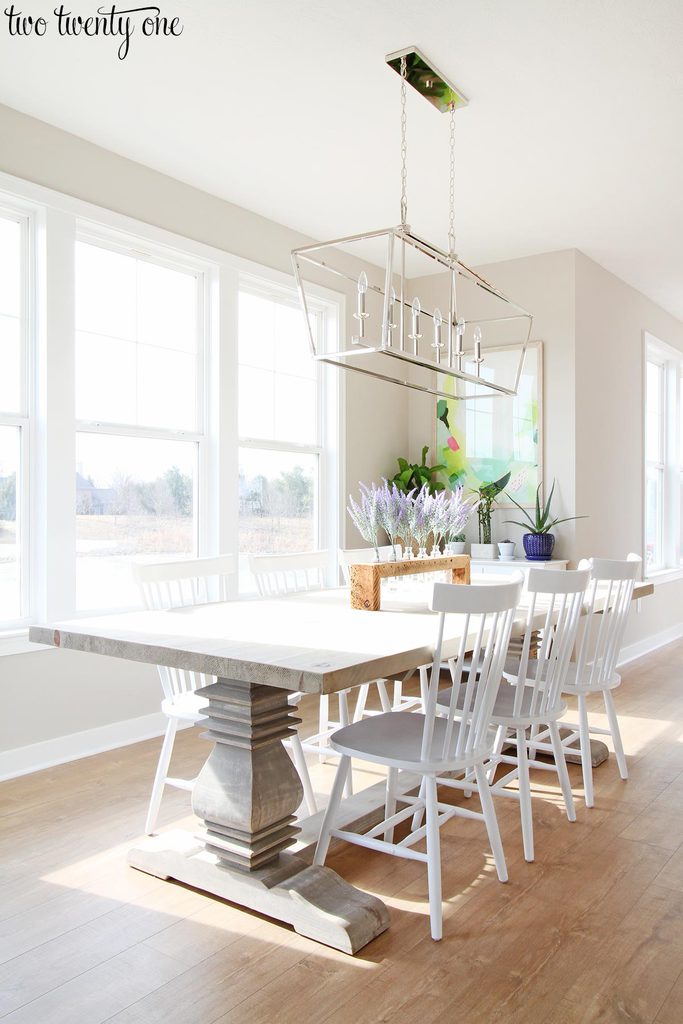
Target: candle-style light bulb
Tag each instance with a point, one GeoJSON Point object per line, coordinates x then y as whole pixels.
{"type": "Point", "coordinates": [362, 290]}
{"type": "Point", "coordinates": [438, 322]}
{"type": "Point", "coordinates": [477, 342]}
{"type": "Point", "coordinates": [416, 310]}
{"type": "Point", "coordinates": [459, 333]}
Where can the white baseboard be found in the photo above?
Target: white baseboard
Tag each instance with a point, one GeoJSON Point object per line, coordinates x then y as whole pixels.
{"type": "Point", "coordinates": [33, 758]}
{"type": "Point", "coordinates": [651, 643]}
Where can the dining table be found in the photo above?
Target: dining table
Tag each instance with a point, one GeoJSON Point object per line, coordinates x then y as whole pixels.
{"type": "Point", "coordinates": [251, 849]}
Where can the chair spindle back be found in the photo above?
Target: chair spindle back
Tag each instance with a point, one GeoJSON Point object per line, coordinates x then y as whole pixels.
{"type": "Point", "coordinates": [487, 613]}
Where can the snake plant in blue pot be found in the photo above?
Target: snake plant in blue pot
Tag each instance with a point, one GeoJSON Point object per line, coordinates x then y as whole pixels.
{"type": "Point", "coordinates": [538, 541]}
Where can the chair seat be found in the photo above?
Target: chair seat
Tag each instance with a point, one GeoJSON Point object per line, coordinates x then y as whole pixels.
{"type": "Point", "coordinates": [503, 709]}
{"type": "Point", "coordinates": [511, 671]}
{"type": "Point", "coordinates": [188, 706]}
{"type": "Point", "coordinates": [395, 739]}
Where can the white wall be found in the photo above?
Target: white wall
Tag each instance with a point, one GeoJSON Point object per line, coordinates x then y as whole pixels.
{"type": "Point", "coordinates": [46, 695]}
{"type": "Point", "coordinates": [610, 320]}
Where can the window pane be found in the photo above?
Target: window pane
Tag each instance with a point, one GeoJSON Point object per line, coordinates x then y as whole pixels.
{"type": "Point", "coordinates": [137, 341]}
{"type": "Point", "coordinates": [278, 510]}
{"type": "Point", "coordinates": [653, 518]}
{"type": "Point", "coordinates": [653, 423]}
{"type": "Point", "coordinates": [10, 364]}
{"type": "Point", "coordinates": [10, 267]}
{"type": "Point", "coordinates": [134, 497]}
{"type": "Point", "coordinates": [10, 592]}
{"type": "Point", "coordinates": [278, 378]}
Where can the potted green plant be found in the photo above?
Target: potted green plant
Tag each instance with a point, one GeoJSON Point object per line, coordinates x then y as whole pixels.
{"type": "Point", "coordinates": [457, 545]}
{"type": "Point", "coordinates": [487, 493]}
{"type": "Point", "coordinates": [538, 541]}
{"type": "Point", "coordinates": [506, 550]}
{"type": "Point", "coordinates": [413, 475]}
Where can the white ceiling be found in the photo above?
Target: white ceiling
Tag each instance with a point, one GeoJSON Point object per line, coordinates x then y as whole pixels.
{"type": "Point", "coordinates": [572, 136]}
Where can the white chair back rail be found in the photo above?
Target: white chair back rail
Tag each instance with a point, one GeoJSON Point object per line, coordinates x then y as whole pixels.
{"type": "Point", "coordinates": [608, 603]}
{"type": "Point", "coordinates": [487, 616]}
{"type": "Point", "coordinates": [558, 595]}
{"type": "Point", "coordinates": [277, 575]}
{"type": "Point", "coordinates": [180, 584]}
{"type": "Point", "coordinates": [362, 556]}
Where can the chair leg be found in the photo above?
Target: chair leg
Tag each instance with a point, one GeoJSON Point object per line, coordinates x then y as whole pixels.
{"type": "Point", "coordinates": [323, 844]}
{"type": "Point", "coordinates": [304, 774]}
{"type": "Point", "coordinates": [586, 757]}
{"type": "Point", "coordinates": [532, 749]}
{"type": "Point", "coordinates": [160, 776]}
{"type": "Point", "coordinates": [419, 813]}
{"type": "Point", "coordinates": [323, 724]}
{"type": "Point", "coordinates": [525, 811]}
{"type": "Point", "coordinates": [359, 711]}
{"type": "Point", "coordinates": [562, 773]}
{"type": "Point", "coordinates": [491, 823]}
{"type": "Point", "coordinates": [390, 802]}
{"type": "Point", "coordinates": [398, 693]}
{"type": "Point", "coordinates": [616, 734]}
{"type": "Point", "coordinates": [433, 858]}
{"type": "Point", "coordinates": [383, 696]}
{"type": "Point", "coordinates": [501, 733]}
{"type": "Point", "coordinates": [344, 720]}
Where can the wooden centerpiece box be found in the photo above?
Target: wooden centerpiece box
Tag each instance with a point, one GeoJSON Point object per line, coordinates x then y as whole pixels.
{"type": "Point", "coordinates": [366, 577]}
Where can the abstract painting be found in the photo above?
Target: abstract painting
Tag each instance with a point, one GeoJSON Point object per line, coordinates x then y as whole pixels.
{"type": "Point", "coordinates": [479, 440]}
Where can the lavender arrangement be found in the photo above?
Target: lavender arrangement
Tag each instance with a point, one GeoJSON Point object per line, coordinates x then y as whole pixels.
{"type": "Point", "coordinates": [410, 517]}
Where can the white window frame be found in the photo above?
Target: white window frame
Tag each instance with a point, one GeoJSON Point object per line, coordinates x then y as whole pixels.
{"type": "Point", "coordinates": [670, 468]}
{"type": "Point", "coordinates": [57, 219]}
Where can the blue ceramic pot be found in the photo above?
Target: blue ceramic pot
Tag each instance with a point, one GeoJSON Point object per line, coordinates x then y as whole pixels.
{"type": "Point", "coordinates": [538, 546]}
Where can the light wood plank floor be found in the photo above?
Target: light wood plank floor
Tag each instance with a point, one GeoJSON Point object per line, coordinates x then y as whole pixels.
{"type": "Point", "coordinates": [592, 931]}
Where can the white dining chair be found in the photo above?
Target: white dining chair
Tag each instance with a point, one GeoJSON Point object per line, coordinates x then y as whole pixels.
{"type": "Point", "coordinates": [399, 701]}
{"type": "Point", "coordinates": [529, 704]}
{"type": "Point", "coordinates": [166, 585]}
{"type": "Point", "coordinates": [428, 744]}
{"type": "Point", "coordinates": [600, 640]}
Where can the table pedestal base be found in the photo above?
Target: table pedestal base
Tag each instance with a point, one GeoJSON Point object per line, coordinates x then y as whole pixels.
{"type": "Point", "coordinates": [314, 900]}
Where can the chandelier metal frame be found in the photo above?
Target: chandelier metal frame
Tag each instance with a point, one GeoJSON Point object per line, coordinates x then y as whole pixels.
{"type": "Point", "coordinates": [400, 337]}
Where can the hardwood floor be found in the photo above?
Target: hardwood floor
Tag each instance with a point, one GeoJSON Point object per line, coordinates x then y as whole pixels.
{"type": "Point", "coordinates": [591, 932]}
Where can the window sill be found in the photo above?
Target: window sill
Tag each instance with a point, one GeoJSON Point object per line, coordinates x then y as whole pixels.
{"type": "Point", "coordinates": [16, 641]}
{"type": "Point", "coordinates": [664, 576]}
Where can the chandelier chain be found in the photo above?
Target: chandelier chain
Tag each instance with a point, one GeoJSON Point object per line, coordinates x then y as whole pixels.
{"type": "Point", "coordinates": [404, 144]}
{"type": "Point", "coordinates": [451, 187]}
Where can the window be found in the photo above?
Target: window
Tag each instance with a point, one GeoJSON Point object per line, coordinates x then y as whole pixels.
{"type": "Point", "coordinates": [663, 456]}
{"type": "Point", "coordinates": [14, 419]}
{"type": "Point", "coordinates": [138, 397]}
{"type": "Point", "coordinates": [284, 441]}
{"type": "Point", "coordinates": [157, 400]}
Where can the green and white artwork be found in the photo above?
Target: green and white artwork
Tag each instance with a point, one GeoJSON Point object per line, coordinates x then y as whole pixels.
{"type": "Point", "coordinates": [480, 440]}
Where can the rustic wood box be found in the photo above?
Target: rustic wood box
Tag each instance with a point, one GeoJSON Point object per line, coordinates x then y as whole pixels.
{"type": "Point", "coordinates": [366, 577]}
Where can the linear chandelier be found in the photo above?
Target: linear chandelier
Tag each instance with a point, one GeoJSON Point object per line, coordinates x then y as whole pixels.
{"type": "Point", "coordinates": [423, 319]}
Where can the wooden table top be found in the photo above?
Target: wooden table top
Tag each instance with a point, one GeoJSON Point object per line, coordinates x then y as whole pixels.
{"type": "Point", "coordinates": [313, 642]}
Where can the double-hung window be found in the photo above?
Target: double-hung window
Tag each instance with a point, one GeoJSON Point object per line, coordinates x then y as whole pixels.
{"type": "Point", "coordinates": [15, 401]}
{"type": "Point", "coordinates": [140, 414]}
{"type": "Point", "coordinates": [286, 445]}
{"type": "Point", "coordinates": [663, 456]}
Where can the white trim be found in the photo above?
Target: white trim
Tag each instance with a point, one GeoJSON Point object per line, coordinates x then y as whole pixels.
{"type": "Point", "coordinates": [76, 745]}
{"type": "Point", "coordinates": [650, 643]}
